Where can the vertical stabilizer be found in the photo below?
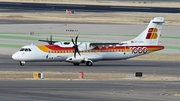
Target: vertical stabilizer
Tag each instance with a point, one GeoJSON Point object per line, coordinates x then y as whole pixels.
{"type": "Point", "coordinates": [150, 35]}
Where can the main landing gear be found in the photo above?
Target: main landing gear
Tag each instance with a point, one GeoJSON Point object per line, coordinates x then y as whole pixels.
{"type": "Point", "coordinates": [76, 64]}
{"type": "Point", "coordinates": [89, 63]}
{"type": "Point", "coordinates": [22, 63]}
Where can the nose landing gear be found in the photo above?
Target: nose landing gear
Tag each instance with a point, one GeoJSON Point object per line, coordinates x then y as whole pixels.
{"type": "Point", "coordinates": [22, 63]}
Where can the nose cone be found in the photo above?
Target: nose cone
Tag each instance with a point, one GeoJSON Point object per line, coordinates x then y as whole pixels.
{"type": "Point", "coordinates": [15, 56]}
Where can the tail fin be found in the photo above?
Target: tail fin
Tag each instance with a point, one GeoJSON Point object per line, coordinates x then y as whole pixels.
{"type": "Point", "coordinates": [150, 35]}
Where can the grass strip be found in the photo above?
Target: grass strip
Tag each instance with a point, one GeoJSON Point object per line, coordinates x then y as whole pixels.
{"type": "Point", "coordinates": [90, 34]}
{"type": "Point", "coordinates": [170, 37]}
{"type": "Point", "coordinates": [32, 38]}
{"type": "Point", "coordinates": [172, 47]}
{"type": "Point", "coordinates": [18, 37]}
{"type": "Point", "coordinates": [10, 46]}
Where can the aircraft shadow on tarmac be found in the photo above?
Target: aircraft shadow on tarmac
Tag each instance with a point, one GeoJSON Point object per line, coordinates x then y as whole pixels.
{"type": "Point", "coordinates": [128, 63]}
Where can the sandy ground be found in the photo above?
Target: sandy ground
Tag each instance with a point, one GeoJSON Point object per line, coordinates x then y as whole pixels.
{"type": "Point", "coordinates": [86, 76]}
{"type": "Point", "coordinates": [158, 57]}
{"type": "Point", "coordinates": [118, 18]}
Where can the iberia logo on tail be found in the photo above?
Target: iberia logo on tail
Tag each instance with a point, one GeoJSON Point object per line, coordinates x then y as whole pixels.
{"type": "Point", "coordinates": [152, 33]}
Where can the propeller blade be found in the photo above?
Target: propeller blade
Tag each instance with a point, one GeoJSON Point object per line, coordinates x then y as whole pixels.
{"type": "Point", "coordinates": [76, 39]}
{"type": "Point", "coordinates": [73, 41]}
{"type": "Point", "coordinates": [75, 53]}
{"type": "Point", "coordinates": [78, 51]}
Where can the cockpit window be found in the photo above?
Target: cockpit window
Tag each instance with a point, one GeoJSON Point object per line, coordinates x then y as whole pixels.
{"type": "Point", "coordinates": [25, 49]}
{"type": "Point", "coordinates": [22, 49]}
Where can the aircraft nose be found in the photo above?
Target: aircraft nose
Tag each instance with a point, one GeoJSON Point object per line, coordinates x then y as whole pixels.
{"type": "Point", "coordinates": [15, 56]}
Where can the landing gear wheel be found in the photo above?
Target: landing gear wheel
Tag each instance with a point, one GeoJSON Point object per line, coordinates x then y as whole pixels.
{"type": "Point", "coordinates": [89, 63]}
{"type": "Point", "coordinates": [76, 64]}
{"type": "Point", "coordinates": [22, 63]}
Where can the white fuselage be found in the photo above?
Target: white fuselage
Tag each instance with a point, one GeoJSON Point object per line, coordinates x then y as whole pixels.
{"type": "Point", "coordinates": [114, 53]}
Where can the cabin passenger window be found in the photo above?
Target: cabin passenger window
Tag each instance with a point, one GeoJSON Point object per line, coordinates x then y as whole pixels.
{"type": "Point", "coordinates": [26, 49]}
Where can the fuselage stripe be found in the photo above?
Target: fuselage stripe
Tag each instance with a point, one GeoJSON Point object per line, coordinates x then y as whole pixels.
{"type": "Point", "coordinates": [58, 49]}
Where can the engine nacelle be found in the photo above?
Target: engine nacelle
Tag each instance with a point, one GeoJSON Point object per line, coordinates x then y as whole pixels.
{"type": "Point", "coordinates": [85, 46]}
{"type": "Point", "coordinates": [82, 46]}
{"type": "Point", "coordinates": [75, 60]}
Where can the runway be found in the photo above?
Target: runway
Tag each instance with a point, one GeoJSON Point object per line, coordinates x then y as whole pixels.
{"type": "Point", "coordinates": [29, 7]}
{"type": "Point", "coordinates": [42, 90]}
{"type": "Point", "coordinates": [90, 90]}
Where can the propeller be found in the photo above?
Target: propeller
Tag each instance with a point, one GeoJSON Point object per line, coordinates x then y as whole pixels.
{"type": "Point", "coordinates": [50, 42]}
{"type": "Point", "coordinates": [76, 49]}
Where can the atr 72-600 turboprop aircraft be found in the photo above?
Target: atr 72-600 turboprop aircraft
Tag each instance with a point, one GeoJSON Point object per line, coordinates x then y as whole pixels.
{"type": "Point", "coordinates": [88, 53]}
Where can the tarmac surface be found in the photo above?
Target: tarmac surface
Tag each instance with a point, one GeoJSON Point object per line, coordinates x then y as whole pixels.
{"type": "Point", "coordinates": [142, 0]}
{"type": "Point", "coordinates": [91, 90]}
{"type": "Point", "coordinates": [42, 90]}
{"type": "Point", "coordinates": [158, 67]}
{"type": "Point", "coordinates": [29, 7]}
